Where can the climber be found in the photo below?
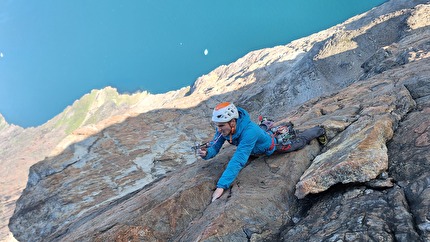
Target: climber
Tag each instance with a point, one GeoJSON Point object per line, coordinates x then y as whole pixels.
{"type": "Point", "coordinates": [234, 125]}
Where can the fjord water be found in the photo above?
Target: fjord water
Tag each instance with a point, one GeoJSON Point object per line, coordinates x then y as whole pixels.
{"type": "Point", "coordinates": [53, 52]}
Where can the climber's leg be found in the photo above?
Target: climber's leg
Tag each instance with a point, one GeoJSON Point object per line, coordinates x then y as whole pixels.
{"type": "Point", "coordinates": [301, 140]}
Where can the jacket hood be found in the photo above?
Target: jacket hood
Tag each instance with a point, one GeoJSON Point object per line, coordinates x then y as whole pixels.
{"type": "Point", "coordinates": [243, 120]}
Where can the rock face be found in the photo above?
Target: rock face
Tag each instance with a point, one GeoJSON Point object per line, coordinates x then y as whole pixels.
{"type": "Point", "coordinates": [20, 148]}
{"type": "Point", "coordinates": [133, 177]}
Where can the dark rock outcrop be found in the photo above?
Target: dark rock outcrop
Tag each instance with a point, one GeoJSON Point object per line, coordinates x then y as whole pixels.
{"type": "Point", "coordinates": [381, 210]}
{"type": "Point", "coordinates": [367, 81]}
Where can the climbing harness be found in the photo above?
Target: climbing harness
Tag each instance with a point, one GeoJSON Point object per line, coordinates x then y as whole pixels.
{"type": "Point", "coordinates": [283, 133]}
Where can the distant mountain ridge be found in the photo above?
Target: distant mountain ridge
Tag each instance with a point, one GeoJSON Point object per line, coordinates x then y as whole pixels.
{"type": "Point", "coordinates": [3, 122]}
{"type": "Point", "coordinates": [126, 143]}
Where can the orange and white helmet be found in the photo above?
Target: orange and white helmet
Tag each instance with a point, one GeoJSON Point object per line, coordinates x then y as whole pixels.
{"type": "Point", "coordinates": [224, 112]}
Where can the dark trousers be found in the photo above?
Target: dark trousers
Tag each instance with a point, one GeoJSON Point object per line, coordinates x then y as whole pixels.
{"type": "Point", "coordinates": [301, 140]}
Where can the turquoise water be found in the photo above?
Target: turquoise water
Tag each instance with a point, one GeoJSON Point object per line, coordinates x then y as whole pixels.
{"type": "Point", "coordinates": [52, 52]}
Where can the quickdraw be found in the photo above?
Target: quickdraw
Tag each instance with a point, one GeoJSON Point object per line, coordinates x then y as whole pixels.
{"type": "Point", "coordinates": [206, 145]}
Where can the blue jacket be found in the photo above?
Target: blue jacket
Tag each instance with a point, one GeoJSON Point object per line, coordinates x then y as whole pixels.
{"type": "Point", "coordinates": [249, 139]}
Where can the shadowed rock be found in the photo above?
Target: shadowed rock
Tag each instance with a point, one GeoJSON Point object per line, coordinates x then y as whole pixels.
{"type": "Point", "coordinates": [356, 214]}
{"type": "Point", "coordinates": [359, 213]}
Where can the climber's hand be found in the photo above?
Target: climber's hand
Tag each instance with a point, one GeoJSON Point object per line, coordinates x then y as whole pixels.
{"type": "Point", "coordinates": [217, 193]}
{"type": "Point", "coordinates": [202, 152]}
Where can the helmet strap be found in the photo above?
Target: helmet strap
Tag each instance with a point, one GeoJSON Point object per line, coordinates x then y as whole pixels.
{"type": "Point", "coordinates": [233, 129]}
